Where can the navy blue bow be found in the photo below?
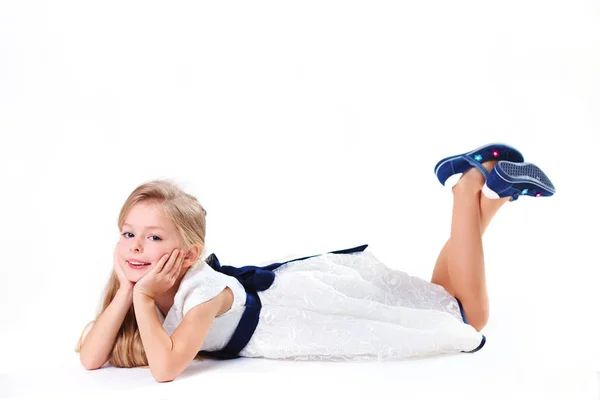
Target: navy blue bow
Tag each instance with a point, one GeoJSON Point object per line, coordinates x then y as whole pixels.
{"type": "Point", "coordinates": [251, 277]}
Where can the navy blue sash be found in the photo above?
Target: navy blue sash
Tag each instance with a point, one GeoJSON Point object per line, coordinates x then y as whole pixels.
{"type": "Point", "coordinates": [254, 279]}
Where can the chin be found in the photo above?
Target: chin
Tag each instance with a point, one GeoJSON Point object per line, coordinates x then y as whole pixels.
{"type": "Point", "coordinates": [134, 279]}
{"type": "Point", "coordinates": [135, 276]}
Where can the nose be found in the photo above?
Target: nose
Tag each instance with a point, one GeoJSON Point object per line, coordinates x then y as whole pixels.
{"type": "Point", "coordinates": [136, 246]}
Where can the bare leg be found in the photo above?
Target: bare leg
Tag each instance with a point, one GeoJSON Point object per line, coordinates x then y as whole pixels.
{"type": "Point", "coordinates": [461, 270]}
{"type": "Point", "coordinates": [488, 208]}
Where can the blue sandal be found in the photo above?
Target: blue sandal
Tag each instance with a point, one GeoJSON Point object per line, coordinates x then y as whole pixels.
{"type": "Point", "coordinates": [450, 169]}
{"type": "Point", "coordinates": [514, 179]}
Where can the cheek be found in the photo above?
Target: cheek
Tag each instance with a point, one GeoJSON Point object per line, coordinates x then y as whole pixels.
{"type": "Point", "coordinates": [121, 246]}
{"type": "Point", "coordinates": [159, 251]}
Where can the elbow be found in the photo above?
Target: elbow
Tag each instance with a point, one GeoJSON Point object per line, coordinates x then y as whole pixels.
{"type": "Point", "coordinates": [163, 377]}
{"type": "Point", "coordinates": [164, 373]}
{"type": "Point", "coordinates": [91, 364]}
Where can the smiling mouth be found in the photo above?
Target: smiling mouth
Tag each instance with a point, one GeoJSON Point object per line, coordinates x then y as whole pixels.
{"type": "Point", "coordinates": [133, 266]}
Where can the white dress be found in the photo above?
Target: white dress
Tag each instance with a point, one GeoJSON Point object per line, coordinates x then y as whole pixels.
{"type": "Point", "coordinates": [338, 307]}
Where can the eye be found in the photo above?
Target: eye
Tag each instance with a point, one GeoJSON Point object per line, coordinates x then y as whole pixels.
{"type": "Point", "coordinates": [152, 236]}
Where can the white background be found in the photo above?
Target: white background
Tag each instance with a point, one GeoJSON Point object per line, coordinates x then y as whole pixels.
{"type": "Point", "coordinates": [302, 128]}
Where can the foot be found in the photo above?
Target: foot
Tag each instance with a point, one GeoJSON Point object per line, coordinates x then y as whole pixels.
{"type": "Point", "coordinates": [489, 165]}
{"type": "Point", "coordinates": [514, 179]}
{"type": "Point", "coordinates": [472, 180]}
{"type": "Point", "coordinates": [450, 169]}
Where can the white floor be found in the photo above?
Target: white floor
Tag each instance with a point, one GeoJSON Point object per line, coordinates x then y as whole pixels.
{"type": "Point", "coordinates": [493, 374]}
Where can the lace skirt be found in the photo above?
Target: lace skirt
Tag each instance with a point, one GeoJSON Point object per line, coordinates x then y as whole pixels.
{"type": "Point", "coordinates": [343, 307]}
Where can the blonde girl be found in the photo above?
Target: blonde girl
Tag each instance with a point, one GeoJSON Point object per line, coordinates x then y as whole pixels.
{"type": "Point", "coordinates": [164, 304]}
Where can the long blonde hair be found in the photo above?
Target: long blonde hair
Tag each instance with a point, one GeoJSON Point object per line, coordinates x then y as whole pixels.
{"type": "Point", "coordinates": [190, 219]}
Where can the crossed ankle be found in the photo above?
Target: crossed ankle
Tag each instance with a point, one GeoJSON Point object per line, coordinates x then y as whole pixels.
{"type": "Point", "coordinates": [488, 165]}
{"type": "Point", "coordinates": [468, 186]}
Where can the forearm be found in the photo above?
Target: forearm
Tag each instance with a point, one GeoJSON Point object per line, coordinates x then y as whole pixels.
{"type": "Point", "coordinates": [99, 342]}
{"type": "Point", "coordinates": [157, 343]}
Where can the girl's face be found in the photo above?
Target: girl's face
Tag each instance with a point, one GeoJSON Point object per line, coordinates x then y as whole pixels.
{"type": "Point", "coordinates": [146, 236]}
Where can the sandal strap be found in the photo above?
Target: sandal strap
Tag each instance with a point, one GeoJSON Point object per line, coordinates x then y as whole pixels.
{"type": "Point", "coordinates": [476, 164]}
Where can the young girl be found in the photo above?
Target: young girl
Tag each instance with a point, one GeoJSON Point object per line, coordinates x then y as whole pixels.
{"type": "Point", "coordinates": [164, 304]}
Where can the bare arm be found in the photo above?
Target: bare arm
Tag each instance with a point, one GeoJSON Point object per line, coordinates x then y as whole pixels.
{"type": "Point", "coordinates": [98, 343]}
{"type": "Point", "coordinates": [168, 355]}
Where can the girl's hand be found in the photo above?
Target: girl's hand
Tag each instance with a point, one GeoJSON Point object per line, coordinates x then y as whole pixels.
{"type": "Point", "coordinates": [124, 283]}
{"type": "Point", "coordinates": [162, 276]}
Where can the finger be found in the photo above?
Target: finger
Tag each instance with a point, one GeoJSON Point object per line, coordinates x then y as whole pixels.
{"type": "Point", "coordinates": [175, 271]}
{"type": "Point", "coordinates": [169, 264]}
{"type": "Point", "coordinates": [159, 266]}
